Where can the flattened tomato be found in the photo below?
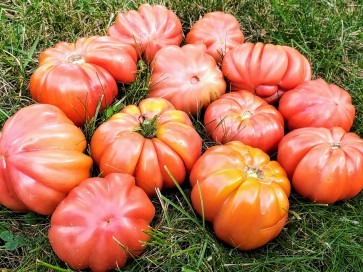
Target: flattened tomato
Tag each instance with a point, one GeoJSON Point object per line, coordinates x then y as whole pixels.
{"type": "Point", "coordinates": [219, 31]}
{"type": "Point", "coordinates": [141, 140]}
{"type": "Point", "coordinates": [325, 165]}
{"type": "Point", "coordinates": [41, 159]}
{"type": "Point", "coordinates": [187, 77]}
{"type": "Point", "coordinates": [101, 223]}
{"type": "Point", "coordinates": [245, 117]}
{"type": "Point", "coordinates": [316, 103]}
{"type": "Point", "coordinates": [149, 29]}
{"type": "Point", "coordinates": [75, 76]}
{"type": "Point", "coordinates": [242, 192]}
{"type": "Point", "coordinates": [266, 70]}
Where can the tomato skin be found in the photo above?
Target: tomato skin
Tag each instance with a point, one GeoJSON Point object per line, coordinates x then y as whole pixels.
{"type": "Point", "coordinates": [42, 159]}
{"type": "Point", "coordinates": [75, 76]}
{"type": "Point", "coordinates": [88, 226]}
{"type": "Point", "coordinates": [148, 29]}
{"type": "Point", "coordinates": [266, 70]}
{"type": "Point", "coordinates": [244, 194]}
{"type": "Point", "coordinates": [245, 117]}
{"type": "Point", "coordinates": [187, 77]}
{"type": "Point", "coordinates": [315, 103]}
{"type": "Point", "coordinates": [219, 31]}
{"type": "Point", "coordinates": [118, 145]}
{"type": "Point", "coordinates": [324, 164]}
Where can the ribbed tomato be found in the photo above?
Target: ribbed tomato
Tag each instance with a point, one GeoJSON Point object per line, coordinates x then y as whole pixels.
{"type": "Point", "coordinates": [148, 29]}
{"type": "Point", "coordinates": [187, 77]}
{"type": "Point", "coordinates": [315, 103]}
{"type": "Point", "coordinates": [101, 223]}
{"type": "Point", "coordinates": [141, 140]}
{"type": "Point", "coordinates": [219, 31]}
{"type": "Point", "coordinates": [266, 70]}
{"type": "Point", "coordinates": [41, 159]}
{"type": "Point", "coordinates": [245, 117]}
{"type": "Point", "coordinates": [76, 76]}
{"type": "Point", "coordinates": [242, 192]}
{"type": "Point", "coordinates": [325, 165]}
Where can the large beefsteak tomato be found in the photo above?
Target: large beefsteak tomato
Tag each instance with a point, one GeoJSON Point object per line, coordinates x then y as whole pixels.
{"type": "Point", "coordinates": [148, 29]}
{"type": "Point", "coordinates": [141, 140]}
{"type": "Point", "coordinates": [315, 103]}
{"type": "Point", "coordinates": [41, 159]}
{"type": "Point", "coordinates": [219, 31]}
{"type": "Point", "coordinates": [324, 164]}
{"type": "Point", "coordinates": [245, 117]}
{"type": "Point", "coordinates": [76, 76]}
{"type": "Point", "coordinates": [242, 192]}
{"type": "Point", "coordinates": [266, 70]}
{"type": "Point", "coordinates": [187, 77]}
{"type": "Point", "coordinates": [102, 223]}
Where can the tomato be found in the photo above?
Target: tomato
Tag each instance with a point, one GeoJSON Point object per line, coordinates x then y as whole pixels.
{"type": "Point", "coordinates": [76, 76]}
{"type": "Point", "coordinates": [101, 223]}
{"type": "Point", "coordinates": [187, 77]}
{"type": "Point", "coordinates": [141, 140]}
{"type": "Point", "coordinates": [315, 103]}
{"type": "Point", "coordinates": [149, 29]}
{"type": "Point", "coordinates": [324, 164]}
{"type": "Point", "coordinates": [242, 192]}
{"type": "Point", "coordinates": [219, 31]}
{"type": "Point", "coordinates": [245, 117]}
{"type": "Point", "coordinates": [266, 70]}
{"type": "Point", "coordinates": [41, 159]}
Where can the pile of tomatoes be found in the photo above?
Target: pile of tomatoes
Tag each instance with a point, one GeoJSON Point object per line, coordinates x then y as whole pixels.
{"type": "Point", "coordinates": [256, 100]}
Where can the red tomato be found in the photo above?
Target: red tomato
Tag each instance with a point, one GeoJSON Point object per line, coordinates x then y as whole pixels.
{"type": "Point", "coordinates": [101, 223]}
{"type": "Point", "coordinates": [245, 117]}
{"type": "Point", "coordinates": [325, 165]}
{"type": "Point", "coordinates": [75, 76]}
{"type": "Point", "coordinates": [141, 140]}
{"type": "Point", "coordinates": [219, 31]}
{"type": "Point", "coordinates": [188, 77]}
{"type": "Point", "coordinates": [149, 29]}
{"type": "Point", "coordinates": [41, 159]}
{"type": "Point", "coordinates": [266, 70]}
{"type": "Point", "coordinates": [316, 103]}
{"type": "Point", "coordinates": [242, 192]}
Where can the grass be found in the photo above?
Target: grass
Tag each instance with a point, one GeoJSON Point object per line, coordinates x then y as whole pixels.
{"type": "Point", "coordinates": [315, 238]}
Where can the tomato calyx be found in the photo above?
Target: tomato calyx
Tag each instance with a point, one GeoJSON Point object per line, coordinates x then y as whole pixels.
{"type": "Point", "coordinates": [335, 145]}
{"type": "Point", "coordinates": [75, 58]}
{"type": "Point", "coordinates": [147, 127]}
{"type": "Point", "coordinates": [254, 172]}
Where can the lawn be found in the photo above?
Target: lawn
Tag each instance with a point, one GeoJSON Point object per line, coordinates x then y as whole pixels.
{"type": "Point", "coordinates": [316, 237]}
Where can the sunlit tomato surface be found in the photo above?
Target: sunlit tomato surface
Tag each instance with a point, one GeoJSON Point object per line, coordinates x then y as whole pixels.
{"type": "Point", "coordinates": [76, 76]}
{"type": "Point", "coordinates": [219, 31]}
{"type": "Point", "coordinates": [315, 103]}
{"type": "Point", "coordinates": [102, 223]}
{"type": "Point", "coordinates": [245, 117]}
{"type": "Point", "coordinates": [242, 192]}
{"type": "Point", "coordinates": [141, 140]}
{"type": "Point", "coordinates": [325, 165]}
{"type": "Point", "coordinates": [187, 77]}
{"type": "Point", "coordinates": [41, 159]}
{"type": "Point", "coordinates": [266, 70]}
{"type": "Point", "coordinates": [148, 29]}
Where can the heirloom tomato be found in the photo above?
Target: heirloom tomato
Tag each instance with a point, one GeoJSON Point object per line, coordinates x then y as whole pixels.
{"type": "Point", "coordinates": [41, 159]}
{"type": "Point", "coordinates": [219, 31]}
{"type": "Point", "coordinates": [324, 164]}
{"type": "Point", "coordinates": [245, 117]}
{"type": "Point", "coordinates": [187, 77]}
{"type": "Point", "coordinates": [148, 29]}
{"type": "Point", "coordinates": [141, 140]}
{"type": "Point", "coordinates": [242, 192]}
{"type": "Point", "coordinates": [266, 70]}
{"type": "Point", "coordinates": [102, 223]}
{"type": "Point", "coordinates": [316, 103]}
{"type": "Point", "coordinates": [76, 76]}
